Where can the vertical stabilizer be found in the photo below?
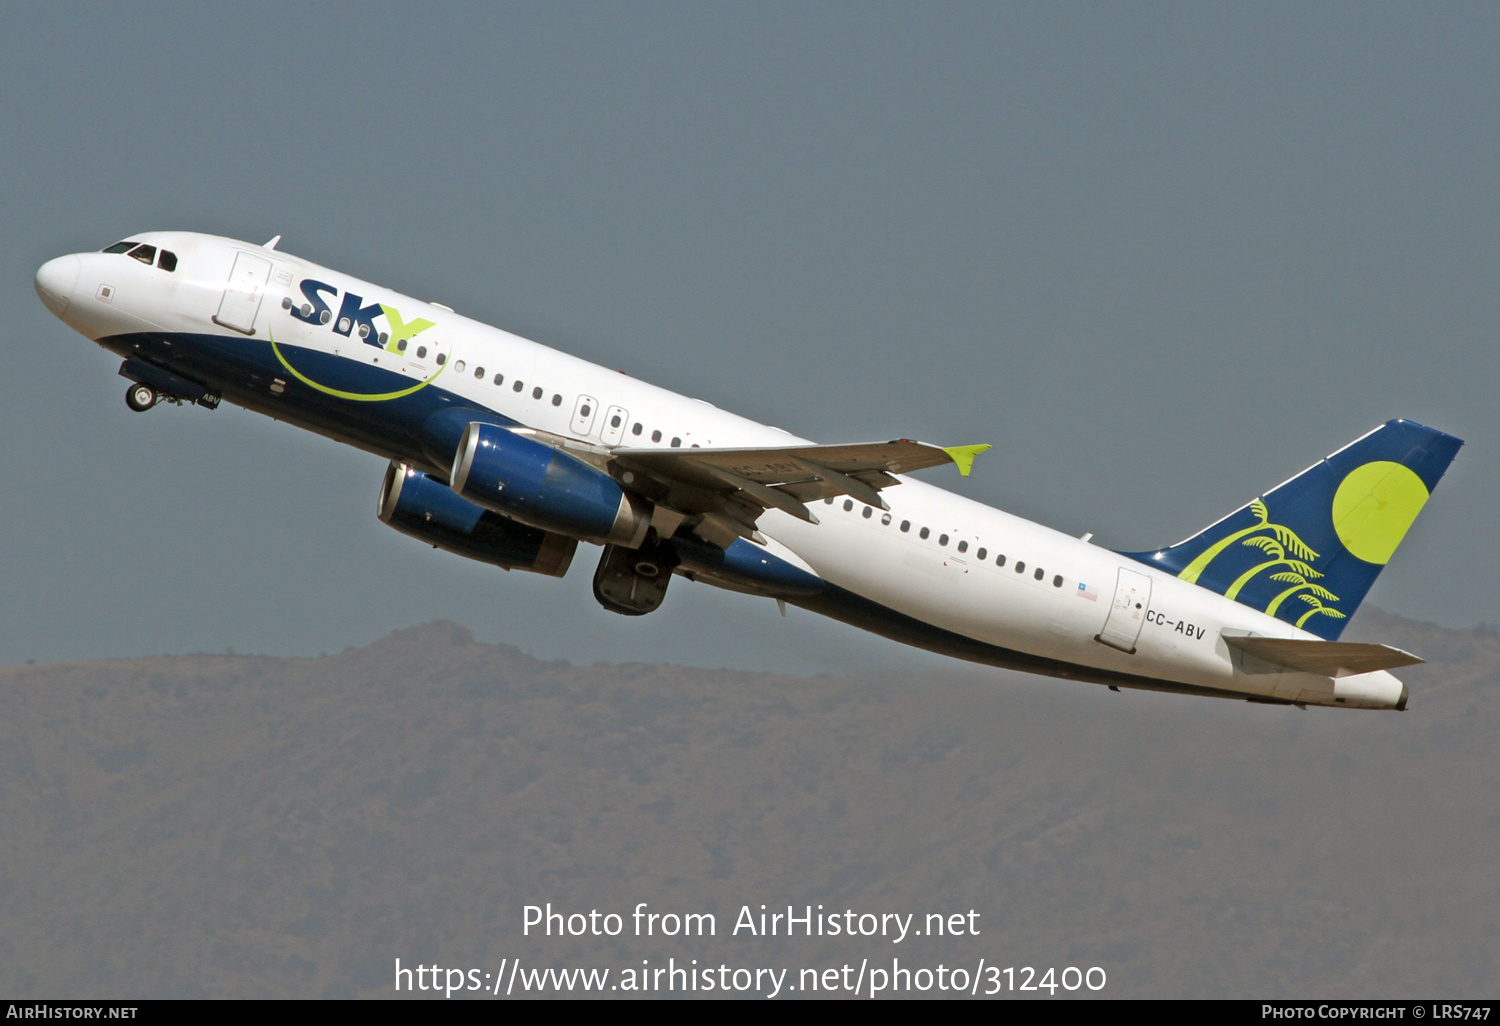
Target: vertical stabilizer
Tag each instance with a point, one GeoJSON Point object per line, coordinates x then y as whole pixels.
{"type": "Point", "coordinates": [1308, 550]}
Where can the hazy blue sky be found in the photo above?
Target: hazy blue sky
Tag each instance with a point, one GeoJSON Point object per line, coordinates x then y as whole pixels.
{"type": "Point", "coordinates": [1161, 256]}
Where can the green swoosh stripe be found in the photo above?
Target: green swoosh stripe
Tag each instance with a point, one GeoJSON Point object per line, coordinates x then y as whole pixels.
{"type": "Point", "coordinates": [355, 396]}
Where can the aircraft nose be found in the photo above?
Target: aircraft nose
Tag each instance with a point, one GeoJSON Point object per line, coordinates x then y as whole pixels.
{"type": "Point", "coordinates": [55, 281]}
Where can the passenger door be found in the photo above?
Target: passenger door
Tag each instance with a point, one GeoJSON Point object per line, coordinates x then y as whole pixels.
{"type": "Point", "coordinates": [243, 294]}
{"type": "Point", "coordinates": [1127, 615]}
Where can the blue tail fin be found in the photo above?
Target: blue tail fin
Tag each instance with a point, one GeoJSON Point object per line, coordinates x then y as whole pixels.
{"type": "Point", "coordinates": [1308, 550]}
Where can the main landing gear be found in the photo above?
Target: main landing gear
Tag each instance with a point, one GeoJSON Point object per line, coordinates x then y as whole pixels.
{"type": "Point", "coordinates": [633, 582]}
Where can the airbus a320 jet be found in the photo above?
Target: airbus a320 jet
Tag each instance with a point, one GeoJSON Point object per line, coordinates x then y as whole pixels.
{"type": "Point", "coordinates": [508, 452]}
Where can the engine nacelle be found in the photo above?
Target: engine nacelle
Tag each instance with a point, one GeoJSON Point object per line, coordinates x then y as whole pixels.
{"type": "Point", "coordinates": [425, 508]}
{"type": "Point", "coordinates": [536, 484]}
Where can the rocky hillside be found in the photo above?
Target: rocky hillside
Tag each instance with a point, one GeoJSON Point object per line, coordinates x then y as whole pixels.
{"type": "Point", "coordinates": [235, 825]}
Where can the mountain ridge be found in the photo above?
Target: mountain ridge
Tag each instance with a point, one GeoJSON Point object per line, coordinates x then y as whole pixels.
{"type": "Point", "coordinates": [236, 825]}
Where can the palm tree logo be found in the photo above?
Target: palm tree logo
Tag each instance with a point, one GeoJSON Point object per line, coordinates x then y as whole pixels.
{"type": "Point", "coordinates": [1278, 558]}
{"type": "Point", "coordinates": [1317, 607]}
{"type": "Point", "coordinates": [1299, 583]}
{"type": "Point", "coordinates": [1286, 550]}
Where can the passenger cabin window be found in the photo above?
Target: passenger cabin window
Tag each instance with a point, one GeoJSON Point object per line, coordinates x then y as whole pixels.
{"type": "Point", "coordinates": [923, 533]}
{"type": "Point", "coordinates": [848, 505]}
{"type": "Point", "coordinates": [656, 436]}
{"type": "Point", "coordinates": [442, 358]}
{"type": "Point", "coordinates": [145, 254]}
{"type": "Point", "coordinates": [458, 365]}
{"type": "Point", "coordinates": [557, 400]}
{"type": "Point", "coordinates": [499, 379]}
{"type": "Point", "coordinates": [1057, 581]}
{"type": "Point", "coordinates": [478, 373]}
{"type": "Point", "coordinates": [120, 247]}
{"type": "Point", "coordinates": [905, 526]}
{"type": "Point", "coordinates": [980, 555]}
{"type": "Point", "coordinates": [536, 393]}
{"type": "Point", "coordinates": [518, 386]}
{"type": "Point", "coordinates": [421, 352]}
{"type": "Point", "coordinates": [167, 261]}
{"type": "Point", "coordinates": [866, 512]}
{"type": "Point", "coordinates": [1000, 559]}
{"type": "Point", "coordinates": [676, 443]}
{"type": "Point", "coordinates": [1020, 566]}
{"type": "Point", "coordinates": [963, 546]}
{"type": "Point", "coordinates": [942, 539]}
{"type": "Point", "coordinates": [1040, 573]}
{"type": "Point", "coordinates": [885, 521]}
{"type": "Point", "coordinates": [637, 429]}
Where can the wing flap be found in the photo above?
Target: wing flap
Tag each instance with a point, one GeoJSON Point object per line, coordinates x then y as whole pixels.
{"type": "Point", "coordinates": [1326, 658]}
{"type": "Point", "coordinates": [764, 494]}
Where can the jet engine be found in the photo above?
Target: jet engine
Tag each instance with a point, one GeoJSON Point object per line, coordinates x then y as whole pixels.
{"type": "Point", "coordinates": [547, 488]}
{"type": "Point", "coordinates": [425, 508]}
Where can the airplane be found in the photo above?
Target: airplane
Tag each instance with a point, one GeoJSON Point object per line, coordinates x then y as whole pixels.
{"type": "Point", "coordinates": [508, 452]}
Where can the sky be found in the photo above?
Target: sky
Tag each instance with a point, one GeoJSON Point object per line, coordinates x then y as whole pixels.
{"type": "Point", "coordinates": [1161, 256]}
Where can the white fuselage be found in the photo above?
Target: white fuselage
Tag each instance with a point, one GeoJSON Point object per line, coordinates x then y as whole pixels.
{"type": "Point", "coordinates": [1050, 598]}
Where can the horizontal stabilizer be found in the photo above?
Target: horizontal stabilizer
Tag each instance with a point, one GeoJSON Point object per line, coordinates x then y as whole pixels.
{"type": "Point", "coordinates": [1326, 658]}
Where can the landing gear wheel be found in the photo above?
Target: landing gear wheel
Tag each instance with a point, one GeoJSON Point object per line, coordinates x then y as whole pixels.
{"type": "Point", "coordinates": [140, 397]}
{"type": "Point", "coordinates": [633, 582]}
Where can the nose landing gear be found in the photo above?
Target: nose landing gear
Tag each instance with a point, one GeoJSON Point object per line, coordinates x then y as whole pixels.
{"type": "Point", "coordinates": [140, 397]}
{"type": "Point", "coordinates": [151, 385]}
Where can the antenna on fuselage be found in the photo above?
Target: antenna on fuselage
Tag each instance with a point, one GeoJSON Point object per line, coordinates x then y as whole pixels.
{"type": "Point", "coordinates": [272, 243]}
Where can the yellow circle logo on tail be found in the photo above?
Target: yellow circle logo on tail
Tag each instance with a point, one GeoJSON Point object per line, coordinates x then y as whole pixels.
{"type": "Point", "coordinates": [1375, 506]}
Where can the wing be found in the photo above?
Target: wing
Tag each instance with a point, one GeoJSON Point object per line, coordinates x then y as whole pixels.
{"type": "Point", "coordinates": [721, 493]}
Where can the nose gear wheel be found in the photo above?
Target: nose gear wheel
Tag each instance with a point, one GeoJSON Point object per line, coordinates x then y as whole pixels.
{"type": "Point", "coordinates": [140, 397]}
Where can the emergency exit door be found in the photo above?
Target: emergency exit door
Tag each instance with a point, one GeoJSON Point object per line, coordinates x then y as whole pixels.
{"type": "Point", "coordinates": [613, 431]}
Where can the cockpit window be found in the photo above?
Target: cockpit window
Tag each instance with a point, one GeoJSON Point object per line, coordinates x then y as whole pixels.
{"type": "Point", "coordinates": [119, 247]}
{"type": "Point", "coordinates": [145, 254]}
{"type": "Point", "coordinates": [168, 262]}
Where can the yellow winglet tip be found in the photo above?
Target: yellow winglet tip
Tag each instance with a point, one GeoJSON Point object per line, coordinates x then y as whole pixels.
{"type": "Point", "coordinates": [963, 456]}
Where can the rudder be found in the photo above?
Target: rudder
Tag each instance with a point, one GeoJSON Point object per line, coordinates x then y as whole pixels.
{"type": "Point", "coordinates": [1308, 550]}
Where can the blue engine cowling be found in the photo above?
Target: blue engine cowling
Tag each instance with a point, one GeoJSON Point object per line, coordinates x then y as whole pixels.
{"type": "Point", "coordinates": [425, 508]}
{"type": "Point", "coordinates": [536, 484]}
